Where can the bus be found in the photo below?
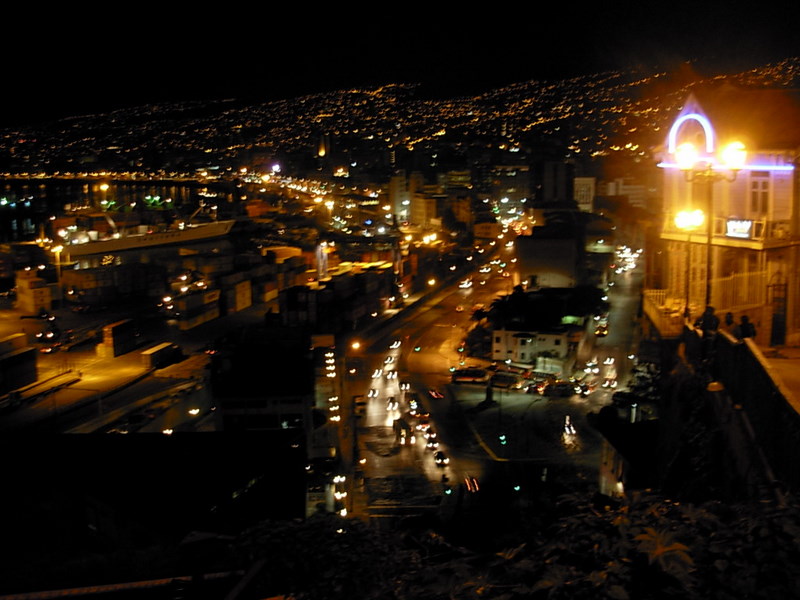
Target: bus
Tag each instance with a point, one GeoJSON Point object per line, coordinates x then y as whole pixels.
{"type": "Point", "coordinates": [470, 375]}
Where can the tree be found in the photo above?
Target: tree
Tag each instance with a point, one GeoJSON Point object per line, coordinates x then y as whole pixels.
{"type": "Point", "coordinates": [592, 548]}
{"type": "Point", "coordinates": [326, 557]}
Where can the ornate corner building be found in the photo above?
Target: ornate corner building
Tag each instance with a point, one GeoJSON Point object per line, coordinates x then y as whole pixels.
{"type": "Point", "coordinates": [731, 213]}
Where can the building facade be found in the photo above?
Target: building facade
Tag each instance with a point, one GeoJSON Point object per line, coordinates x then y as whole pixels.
{"type": "Point", "coordinates": [544, 351]}
{"type": "Point", "coordinates": [731, 219]}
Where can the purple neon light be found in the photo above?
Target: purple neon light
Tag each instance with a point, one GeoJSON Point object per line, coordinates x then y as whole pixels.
{"type": "Point", "coordinates": [704, 123]}
{"type": "Point", "coordinates": [665, 165]}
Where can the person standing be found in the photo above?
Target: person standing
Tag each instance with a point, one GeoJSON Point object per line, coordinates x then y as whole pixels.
{"type": "Point", "coordinates": [729, 322]}
{"type": "Point", "coordinates": [709, 324]}
{"type": "Point", "coordinates": [745, 329]}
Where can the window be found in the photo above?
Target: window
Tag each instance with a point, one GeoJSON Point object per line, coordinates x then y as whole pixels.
{"type": "Point", "coordinates": [557, 342]}
{"type": "Point", "coordinates": [759, 193]}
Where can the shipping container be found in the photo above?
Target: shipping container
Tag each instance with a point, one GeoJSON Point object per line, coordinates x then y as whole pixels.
{"type": "Point", "coordinates": [161, 356]}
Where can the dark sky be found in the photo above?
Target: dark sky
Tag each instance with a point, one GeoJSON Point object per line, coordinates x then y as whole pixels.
{"type": "Point", "coordinates": [70, 63]}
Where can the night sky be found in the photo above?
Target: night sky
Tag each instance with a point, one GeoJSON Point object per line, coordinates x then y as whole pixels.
{"type": "Point", "coordinates": [63, 64]}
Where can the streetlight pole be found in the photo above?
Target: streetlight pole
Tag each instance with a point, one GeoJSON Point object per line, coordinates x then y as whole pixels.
{"type": "Point", "coordinates": [689, 221]}
{"type": "Point", "coordinates": [732, 160]}
{"type": "Point", "coordinates": [709, 208]}
{"type": "Point", "coordinates": [57, 251]}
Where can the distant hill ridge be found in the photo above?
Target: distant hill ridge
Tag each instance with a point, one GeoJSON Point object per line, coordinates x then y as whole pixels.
{"type": "Point", "coordinates": [587, 117]}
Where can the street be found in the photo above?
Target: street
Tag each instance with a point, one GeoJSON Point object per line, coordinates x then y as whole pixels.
{"type": "Point", "coordinates": [518, 445]}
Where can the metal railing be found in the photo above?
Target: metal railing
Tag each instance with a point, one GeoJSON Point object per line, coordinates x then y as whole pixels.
{"type": "Point", "coordinates": [761, 230]}
{"type": "Point", "coordinates": [737, 293]}
{"type": "Point", "coordinates": [760, 413]}
{"type": "Point", "coordinates": [664, 313]}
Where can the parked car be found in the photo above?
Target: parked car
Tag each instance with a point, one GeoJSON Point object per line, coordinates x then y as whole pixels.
{"type": "Point", "coordinates": [559, 388]}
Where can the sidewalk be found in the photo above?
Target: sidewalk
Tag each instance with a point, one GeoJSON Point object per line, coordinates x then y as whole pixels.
{"type": "Point", "coordinates": [784, 366]}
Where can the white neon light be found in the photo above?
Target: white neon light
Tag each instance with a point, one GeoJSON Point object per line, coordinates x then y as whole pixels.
{"type": "Point", "coordinates": [784, 168]}
{"type": "Point", "coordinates": [739, 228]}
{"type": "Point", "coordinates": [704, 123]}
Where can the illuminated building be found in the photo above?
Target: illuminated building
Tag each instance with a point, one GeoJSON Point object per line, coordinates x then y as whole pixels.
{"type": "Point", "coordinates": [742, 256]}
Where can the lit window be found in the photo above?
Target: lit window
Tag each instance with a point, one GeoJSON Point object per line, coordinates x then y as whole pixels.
{"type": "Point", "coordinates": [759, 193]}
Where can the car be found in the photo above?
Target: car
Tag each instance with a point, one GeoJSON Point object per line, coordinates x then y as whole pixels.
{"type": "Point", "coordinates": [407, 439]}
{"type": "Point", "coordinates": [601, 331]}
{"type": "Point", "coordinates": [373, 393]}
{"type": "Point", "coordinates": [395, 344]}
{"type": "Point", "coordinates": [388, 360]}
{"type": "Point", "coordinates": [471, 484]}
{"type": "Point", "coordinates": [441, 459]}
{"type": "Point", "coordinates": [405, 386]}
{"type": "Point", "coordinates": [391, 374]}
{"type": "Point", "coordinates": [459, 308]}
{"type": "Point", "coordinates": [432, 444]}
{"type": "Point", "coordinates": [392, 403]}
{"type": "Point", "coordinates": [536, 387]}
{"type": "Point", "coordinates": [47, 336]}
{"type": "Point", "coordinates": [377, 373]}
{"type": "Point", "coordinates": [569, 428]}
{"type": "Point", "coordinates": [507, 380]}
{"type": "Point", "coordinates": [559, 388]}
{"type": "Point", "coordinates": [435, 394]}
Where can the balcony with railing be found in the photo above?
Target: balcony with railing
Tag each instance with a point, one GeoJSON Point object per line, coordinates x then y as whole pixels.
{"type": "Point", "coordinates": [738, 293]}
{"type": "Point", "coordinates": [729, 231]}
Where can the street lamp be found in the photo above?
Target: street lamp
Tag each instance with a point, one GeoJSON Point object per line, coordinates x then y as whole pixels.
{"type": "Point", "coordinates": [688, 221]}
{"type": "Point", "coordinates": [57, 251]}
{"type": "Point", "coordinates": [708, 170]}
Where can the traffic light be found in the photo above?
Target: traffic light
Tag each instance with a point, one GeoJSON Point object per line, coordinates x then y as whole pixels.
{"type": "Point", "coordinates": [502, 439]}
